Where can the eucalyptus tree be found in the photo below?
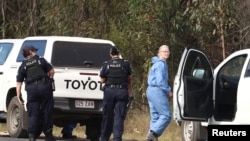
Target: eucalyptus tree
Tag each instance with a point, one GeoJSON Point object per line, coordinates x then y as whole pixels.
{"type": "Point", "coordinates": [213, 22]}
{"type": "Point", "coordinates": [138, 27]}
{"type": "Point", "coordinates": [144, 26]}
{"type": "Point", "coordinates": [10, 18]}
{"type": "Point", "coordinates": [241, 37]}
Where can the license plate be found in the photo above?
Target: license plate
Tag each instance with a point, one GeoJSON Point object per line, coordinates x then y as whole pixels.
{"type": "Point", "coordinates": [84, 104]}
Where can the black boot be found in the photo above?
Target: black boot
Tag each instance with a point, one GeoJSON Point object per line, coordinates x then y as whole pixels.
{"type": "Point", "coordinates": [32, 137]}
{"type": "Point", "coordinates": [49, 137]}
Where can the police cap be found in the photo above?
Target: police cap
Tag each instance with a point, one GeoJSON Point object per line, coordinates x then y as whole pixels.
{"type": "Point", "coordinates": [29, 47]}
{"type": "Point", "coordinates": [114, 51]}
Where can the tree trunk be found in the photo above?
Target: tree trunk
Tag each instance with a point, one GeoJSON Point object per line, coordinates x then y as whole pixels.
{"type": "Point", "coordinates": [3, 4]}
{"type": "Point", "coordinates": [221, 15]}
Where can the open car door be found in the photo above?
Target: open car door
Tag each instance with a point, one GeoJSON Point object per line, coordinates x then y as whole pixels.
{"type": "Point", "coordinates": [193, 87]}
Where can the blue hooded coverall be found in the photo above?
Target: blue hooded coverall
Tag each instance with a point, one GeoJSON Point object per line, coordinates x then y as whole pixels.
{"type": "Point", "coordinates": [157, 95]}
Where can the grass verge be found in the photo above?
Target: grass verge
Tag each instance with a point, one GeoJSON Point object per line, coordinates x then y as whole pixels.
{"type": "Point", "coordinates": [136, 128]}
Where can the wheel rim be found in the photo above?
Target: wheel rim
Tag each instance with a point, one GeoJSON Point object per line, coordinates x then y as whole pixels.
{"type": "Point", "coordinates": [188, 130]}
{"type": "Point", "coordinates": [15, 118]}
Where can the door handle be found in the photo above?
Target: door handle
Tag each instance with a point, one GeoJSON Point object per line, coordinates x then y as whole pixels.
{"type": "Point", "coordinates": [1, 73]}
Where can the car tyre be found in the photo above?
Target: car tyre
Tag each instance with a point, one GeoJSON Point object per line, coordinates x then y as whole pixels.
{"type": "Point", "coordinates": [193, 131]}
{"type": "Point", "coordinates": [16, 121]}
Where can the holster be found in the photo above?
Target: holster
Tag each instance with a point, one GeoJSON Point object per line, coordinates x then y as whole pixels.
{"type": "Point", "coordinates": [52, 84]}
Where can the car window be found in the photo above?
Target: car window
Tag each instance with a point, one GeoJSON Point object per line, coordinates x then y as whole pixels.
{"type": "Point", "coordinates": [39, 44]}
{"type": "Point", "coordinates": [5, 49]}
{"type": "Point", "coordinates": [229, 75]}
{"type": "Point", "coordinates": [79, 54]}
{"type": "Point", "coordinates": [234, 67]}
{"type": "Point", "coordinates": [197, 66]}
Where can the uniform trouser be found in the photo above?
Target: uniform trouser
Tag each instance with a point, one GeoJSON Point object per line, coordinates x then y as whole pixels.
{"type": "Point", "coordinates": [114, 113]}
{"type": "Point", "coordinates": [68, 128]}
{"type": "Point", "coordinates": [40, 105]}
{"type": "Point", "coordinates": [160, 112]}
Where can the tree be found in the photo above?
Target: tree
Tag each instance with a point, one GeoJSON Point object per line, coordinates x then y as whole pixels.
{"type": "Point", "coordinates": [137, 27]}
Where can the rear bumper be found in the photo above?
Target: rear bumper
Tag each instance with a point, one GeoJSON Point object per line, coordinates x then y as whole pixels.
{"type": "Point", "coordinates": [64, 108]}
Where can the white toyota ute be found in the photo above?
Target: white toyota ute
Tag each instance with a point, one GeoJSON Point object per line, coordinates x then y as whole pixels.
{"type": "Point", "coordinates": [204, 96]}
{"type": "Point", "coordinates": [8, 48]}
{"type": "Point", "coordinates": [78, 91]}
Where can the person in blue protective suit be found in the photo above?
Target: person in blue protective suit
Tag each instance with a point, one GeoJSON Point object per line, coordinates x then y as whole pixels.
{"type": "Point", "coordinates": [68, 129]}
{"type": "Point", "coordinates": [116, 74]}
{"type": "Point", "coordinates": [158, 93]}
{"type": "Point", "coordinates": [37, 74]}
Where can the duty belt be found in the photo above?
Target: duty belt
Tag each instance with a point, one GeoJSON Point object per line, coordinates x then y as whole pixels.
{"type": "Point", "coordinates": [116, 86]}
{"type": "Point", "coordinates": [39, 81]}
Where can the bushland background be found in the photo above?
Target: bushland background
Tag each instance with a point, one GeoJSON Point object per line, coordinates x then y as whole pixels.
{"type": "Point", "coordinates": [138, 28]}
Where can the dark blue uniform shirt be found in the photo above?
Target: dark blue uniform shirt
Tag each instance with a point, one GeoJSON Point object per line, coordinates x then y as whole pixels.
{"type": "Point", "coordinates": [21, 75]}
{"type": "Point", "coordinates": [104, 70]}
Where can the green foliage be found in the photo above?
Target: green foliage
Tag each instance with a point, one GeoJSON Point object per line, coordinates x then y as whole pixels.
{"type": "Point", "coordinates": [137, 27]}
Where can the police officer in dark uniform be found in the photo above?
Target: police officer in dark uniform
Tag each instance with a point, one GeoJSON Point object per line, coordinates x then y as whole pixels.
{"type": "Point", "coordinates": [37, 74]}
{"type": "Point", "coordinates": [116, 74]}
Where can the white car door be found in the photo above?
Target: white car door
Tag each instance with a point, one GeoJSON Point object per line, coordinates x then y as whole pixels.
{"type": "Point", "coordinates": [231, 89]}
{"type": "Point", "coordinates": [193, 87]}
